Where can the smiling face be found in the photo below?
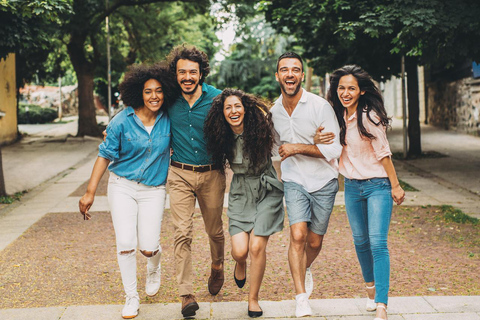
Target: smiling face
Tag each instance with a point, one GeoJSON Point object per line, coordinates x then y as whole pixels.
{"type": "Point", "coordinates": [152, 95]}
{"type": "Point", "coordinates": [349, 92]}
{"type": "Point", "coordinates": [234, 113]}
{"type": "Point", "coordinates": [290, 76]}
{"type": "Point", "coordinates": [188, 75]}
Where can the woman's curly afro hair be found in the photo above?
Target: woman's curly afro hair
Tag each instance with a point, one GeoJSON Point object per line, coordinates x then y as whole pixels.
{"type": "Point", "coordinates": [191, 53]}
{"type": "Point", "coordinates": [132, 85]}
{"type": "Point", "coordinates": [257, 130]}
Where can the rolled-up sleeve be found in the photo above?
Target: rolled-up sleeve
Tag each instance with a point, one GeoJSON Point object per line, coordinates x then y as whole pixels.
{"type": "Point", "coordinates": [330, 123]}
{"type": "Point", "coordinates": [380, 144]}
{"type": "Point", "coordinates": [110, 148]}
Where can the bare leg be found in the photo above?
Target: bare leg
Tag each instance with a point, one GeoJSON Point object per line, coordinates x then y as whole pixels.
{"type": "Point", "coordinates": [313, 247]}
{"type": "Point", "coordinates": [370, 290]}
{"type": "Point", "coordinates": [240, 243]}
{"type": "Point", "coordinates": [258, 255]}
{"type": "Point", "coordinates": [297, 258]}
{"type": "Point", "coordinates": [381, 312]}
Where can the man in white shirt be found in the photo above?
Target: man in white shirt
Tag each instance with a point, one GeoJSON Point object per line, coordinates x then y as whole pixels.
{"type": "Point", "coordinates": [309, 171]}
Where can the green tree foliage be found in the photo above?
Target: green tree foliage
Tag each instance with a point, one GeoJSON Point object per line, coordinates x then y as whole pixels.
{"type": "Point", "coordinates": [375, 34]}
{"type": "Point", "coordinates": [148, 33]}
{"type": "Point", "coordinates": [28, 28]}
{"type": "Point", "coordinates": [141, 30]}
{"type": "Point", "coordinates": [250, 62]}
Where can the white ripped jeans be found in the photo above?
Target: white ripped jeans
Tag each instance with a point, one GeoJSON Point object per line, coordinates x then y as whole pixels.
{"type": "Point", "coordinates": [137, 212]}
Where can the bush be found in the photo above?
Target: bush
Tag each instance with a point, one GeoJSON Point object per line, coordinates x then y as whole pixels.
{"type": "Point", "coordinates": [36, 114]}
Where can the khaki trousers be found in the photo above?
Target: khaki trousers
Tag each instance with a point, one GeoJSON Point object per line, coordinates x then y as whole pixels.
{"type": "Point", "coordinates": [184, 187]}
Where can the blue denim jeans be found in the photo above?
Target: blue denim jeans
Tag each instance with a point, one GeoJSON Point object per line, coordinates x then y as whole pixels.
{"type": "Point", "coordinates": [369, 209]}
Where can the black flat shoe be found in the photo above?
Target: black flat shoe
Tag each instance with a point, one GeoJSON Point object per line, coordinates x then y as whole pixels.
{"type": "Point", "coordinates": [241, 283]}
{"type": "Point", "coordinates": [255, 314]}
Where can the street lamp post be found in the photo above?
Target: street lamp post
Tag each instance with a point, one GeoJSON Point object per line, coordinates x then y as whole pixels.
{"type": "Point", "coordinates": [109, 77]}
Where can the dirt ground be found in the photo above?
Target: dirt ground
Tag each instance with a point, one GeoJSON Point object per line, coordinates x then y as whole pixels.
{"type": "Point", "coordinates": [64, 260]}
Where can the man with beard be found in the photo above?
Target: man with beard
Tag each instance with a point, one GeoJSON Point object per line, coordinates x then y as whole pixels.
{"type": "Point", "coordinates": [309, 171]}
{"type": "Point", "coordinates": [192, 176]}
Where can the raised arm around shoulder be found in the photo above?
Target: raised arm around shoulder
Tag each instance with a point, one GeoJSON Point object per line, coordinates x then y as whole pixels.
{"type": "Point", "coordinates": [329, 122]}
{"type": "Point", "coordinates": [87, 200]}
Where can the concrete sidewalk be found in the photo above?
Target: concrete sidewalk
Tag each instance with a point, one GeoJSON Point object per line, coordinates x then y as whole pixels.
{"type": "Point", "coordinates": [402, 308]}
{"type": "Point", "coordinates": [52, 166]}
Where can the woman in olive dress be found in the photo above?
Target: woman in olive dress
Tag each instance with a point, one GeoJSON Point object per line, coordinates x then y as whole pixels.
{"type": "Point", "coordinates": [239, 130]}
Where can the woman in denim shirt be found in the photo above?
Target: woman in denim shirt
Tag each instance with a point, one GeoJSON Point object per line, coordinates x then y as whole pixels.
{"type": "Point", "coordinates": [137, 151]}
{"type": "Point", "coordinates": [370, 178]}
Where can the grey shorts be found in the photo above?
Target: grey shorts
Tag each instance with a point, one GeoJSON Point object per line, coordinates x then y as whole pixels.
{"type": "Point", "coordinates": [314, 208]}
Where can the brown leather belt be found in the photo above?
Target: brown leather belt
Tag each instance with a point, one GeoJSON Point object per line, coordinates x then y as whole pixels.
{"type": "Point", "coordinates": [189, 167]}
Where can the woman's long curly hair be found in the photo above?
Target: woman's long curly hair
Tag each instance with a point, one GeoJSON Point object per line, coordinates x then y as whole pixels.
{"type": "Point", "coordinates": [370, 100]}
{"type": "Point", "coordinates": [132, 85]}
{"type": "Point", "coordinates": [257, 130]}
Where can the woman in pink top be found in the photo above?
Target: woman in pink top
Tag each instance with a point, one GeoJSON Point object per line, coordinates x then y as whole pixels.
{"type": "Point", "coordinates": [370, 178]}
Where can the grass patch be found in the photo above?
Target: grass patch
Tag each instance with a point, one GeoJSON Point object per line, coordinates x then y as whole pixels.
{"type": "Point", "coordinates": [425, 154]}
{"type": "Point", "coordinates": [62, 121]}
{"type": "Point", "coordinates": [456, 215]}
{"type": "Point", "coordinates": [12, 199]}
{"type": "Point", "coordinates": [406, 187]}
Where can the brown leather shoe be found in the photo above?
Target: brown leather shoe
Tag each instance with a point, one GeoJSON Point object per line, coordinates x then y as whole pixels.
{"type": "Point", "coordinates": [189, 305]}
{"type": "Point", "coordinates": [215, 282]}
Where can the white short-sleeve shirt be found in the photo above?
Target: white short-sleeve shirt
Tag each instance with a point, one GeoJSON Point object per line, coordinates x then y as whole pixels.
{"type": "Point", "coordinates": [310, 113]}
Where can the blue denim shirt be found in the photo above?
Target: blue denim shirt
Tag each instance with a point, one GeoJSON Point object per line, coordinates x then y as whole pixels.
{"type": "Point", "coordinates": [135, 154]}
{"type": "Point", "coordinates": [188, 141]}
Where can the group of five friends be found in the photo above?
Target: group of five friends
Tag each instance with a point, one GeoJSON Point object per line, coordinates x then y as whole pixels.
{"type": "Point", "coordinates": [179, 129]}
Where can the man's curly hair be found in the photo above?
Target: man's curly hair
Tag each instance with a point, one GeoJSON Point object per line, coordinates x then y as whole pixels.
{"type": "Point", "coordinates": [132, 85]}
{"type": "Point", "coordinates": [257, 130]}
{"type": "Point", "coordinates": [188, 52]}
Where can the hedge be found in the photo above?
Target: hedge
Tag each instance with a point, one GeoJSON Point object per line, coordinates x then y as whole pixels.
{"type": "Point", "coordinates": [36, 114]}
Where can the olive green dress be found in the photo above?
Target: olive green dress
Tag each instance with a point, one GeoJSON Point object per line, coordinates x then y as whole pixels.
{"type": "Point", "coordinates": [255, 200]}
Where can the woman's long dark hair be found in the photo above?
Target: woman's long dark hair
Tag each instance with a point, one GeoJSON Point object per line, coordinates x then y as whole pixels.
{"type": "Point", "coordinates": [257, 130]}
{"type": "Point", "coordinates": [370, 100]}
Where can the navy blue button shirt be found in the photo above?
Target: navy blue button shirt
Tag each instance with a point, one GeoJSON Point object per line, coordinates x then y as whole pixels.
{"type": "Point", "coordinates": [135, 154]}
{"type": "Point", "coordinates": [188, 141]}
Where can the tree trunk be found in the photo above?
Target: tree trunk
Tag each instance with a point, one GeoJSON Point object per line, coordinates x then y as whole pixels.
{"type": "Point", "coordinates": [3, 191]}
{"type": "Point", "coordinates": [87, 122]}
{"type": "Point", "coordinates": [414, 147]}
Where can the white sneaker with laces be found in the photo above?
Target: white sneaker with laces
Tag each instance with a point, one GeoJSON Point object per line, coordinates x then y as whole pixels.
{"type": "Point", "coordinates": [153, 281]}
{"type": "Point", "coordinates": [308, 282]}
{"type": "Point", "coordinates": [130, 310]}
{"type": "Point", "coordinates": [303, 306]}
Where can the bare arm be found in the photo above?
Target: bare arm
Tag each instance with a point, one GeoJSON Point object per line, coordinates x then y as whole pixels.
{"type": "Point", "coordinates": [398, 194]}
{"type": "Point", "coordinates": [291, 149]}
{"type": "Point", "coordinates": [87, 200]}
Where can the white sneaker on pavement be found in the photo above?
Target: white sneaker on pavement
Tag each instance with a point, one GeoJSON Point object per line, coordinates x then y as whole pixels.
{"type": "Point", "coordinates": [303, 306]}
{"type": "Point", "coordinates": [153, 281]}
{"type": "Point", "coordinates": [130, 310]}
{"type": "Point", "coordinates": [308, 282]}
{"type": "Point", "coordinates": [371, 305]}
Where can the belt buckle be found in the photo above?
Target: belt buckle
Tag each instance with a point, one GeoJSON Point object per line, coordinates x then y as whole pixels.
{"type": "Point", "coordinates": [193, 168]}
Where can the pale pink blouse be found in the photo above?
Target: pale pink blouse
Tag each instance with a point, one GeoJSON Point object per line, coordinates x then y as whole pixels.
{"type": "Point", "coordinates": [361, 156]}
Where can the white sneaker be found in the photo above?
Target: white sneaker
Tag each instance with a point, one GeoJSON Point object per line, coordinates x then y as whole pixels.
{"type": "Point", "coordinates": [153, 281]}
{"type": "Point", "coordinates": [371, 305]}
{"type": "Point", "coordinates": [303, 307]}
{"type": "Point", "coordinates": [308, 282]}
{"type": "Point", "coordinates": [130, 310]}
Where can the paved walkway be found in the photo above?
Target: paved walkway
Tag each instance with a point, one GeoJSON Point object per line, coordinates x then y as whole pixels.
{"type": "Point", "coordinates": [51, 165]}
